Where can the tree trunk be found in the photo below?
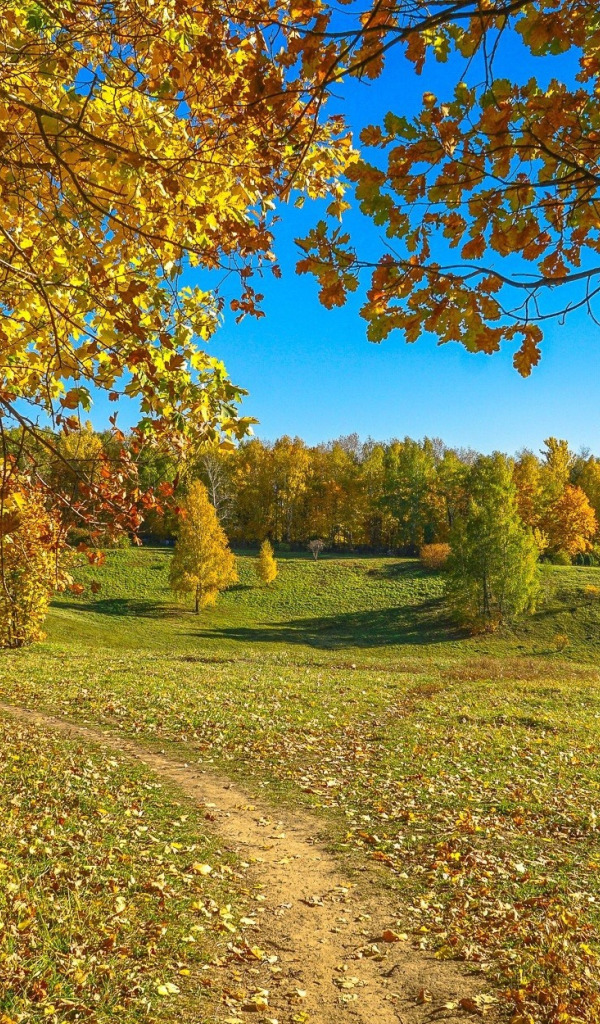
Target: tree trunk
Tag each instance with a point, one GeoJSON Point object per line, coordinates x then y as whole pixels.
{"type": "Point", "coordinates": [197, 608]}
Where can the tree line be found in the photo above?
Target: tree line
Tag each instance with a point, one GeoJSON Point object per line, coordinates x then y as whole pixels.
{"type": "Point", "coordinates": [377, 496]}
{"type": "Point", "coordinates": [486, 519]}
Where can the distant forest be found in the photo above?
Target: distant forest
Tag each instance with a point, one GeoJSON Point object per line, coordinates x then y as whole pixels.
{"type": "Point", "coordinates": [392, 496]}
{"type": "Point", "coordinates": [381, 496]}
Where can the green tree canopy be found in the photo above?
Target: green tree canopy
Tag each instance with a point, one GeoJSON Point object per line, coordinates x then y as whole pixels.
{"type": "Point", "coordinates": [493, 566]}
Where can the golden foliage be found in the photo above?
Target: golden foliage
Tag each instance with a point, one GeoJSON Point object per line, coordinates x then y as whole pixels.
{"type": "Point", "coordinates": [434, 556]}
{"type": "Point", "coordinates": [116, 175]}
{"type": "Point", "coordinates": [570, 523]}
{"type": "Point", "coordinates": [202, 563]}
{"type": "Point", "coordinates": [266, 564]}
{"type": "Point", "coordinates": [28, 566]}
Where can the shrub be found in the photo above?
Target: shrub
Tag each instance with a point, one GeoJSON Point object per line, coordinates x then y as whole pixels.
{"type": "Point", "coordinates": [434, 556]}
{"type": "Point", "coordinates": [266, 566]}
{"type": "Point", "coordinates": [560, 641]}
{"type": "Point", "coordinates": [28, 567]}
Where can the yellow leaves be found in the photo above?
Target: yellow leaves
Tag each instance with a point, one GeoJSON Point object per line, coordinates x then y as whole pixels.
{"type": "Point", "coordinates": [201, 869]}
{"type": "Point", "coordinates": [257, 1002]}
{"type": "Point", "coordinates": [138, 198]}
{"type": "Point", "coordinates": [202, 563]}
{"type": "Point", "coordinates": [266, 565]}
{"type": "Point", "coordinates": [167, 989]}
{"type": "Point", "coordinates": [29, 548]}
{"type": "Point", "coordinates": [78, 856]}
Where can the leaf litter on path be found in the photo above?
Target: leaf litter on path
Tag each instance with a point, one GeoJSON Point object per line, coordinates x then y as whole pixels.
{"type": "Point", "coordinates": [311, 958]}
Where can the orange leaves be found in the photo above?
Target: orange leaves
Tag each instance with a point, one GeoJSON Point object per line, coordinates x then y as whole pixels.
{"type": "Point", "coordinates": [508, 169]}
{"type": "Point", "coordinates": [529, 353]}
{"type": "Point", "coordinates": [570, 523]}
{"type": "Point", "coordinates": [474, 249]}
{"type": "Point", "coordinates": [554, 266]}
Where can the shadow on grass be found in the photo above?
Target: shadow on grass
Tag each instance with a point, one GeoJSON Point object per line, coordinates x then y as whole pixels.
{"type": "Point", "coordinates": [426, 623]}
{"type": "Point", "coordinates": [122, 606]}
{"type": "Point", "coordinates": [398, 570]}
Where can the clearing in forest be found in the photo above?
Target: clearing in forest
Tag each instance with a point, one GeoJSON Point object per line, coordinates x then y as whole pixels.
{"type": "Point", "coordinates": [453, 777]}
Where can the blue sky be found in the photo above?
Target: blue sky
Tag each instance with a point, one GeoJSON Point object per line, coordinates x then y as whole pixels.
{"type": "Point", "coordinates": [311, 372]}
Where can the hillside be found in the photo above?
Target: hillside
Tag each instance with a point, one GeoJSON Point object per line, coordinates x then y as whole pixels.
{"type": "Point", "coordinates": [457, 775]}
{"type": "Point", "coordinates": [355, 608]}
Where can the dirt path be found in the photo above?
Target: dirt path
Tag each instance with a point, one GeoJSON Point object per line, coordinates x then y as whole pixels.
{"type": "Point", "coordinates": [332, 965]}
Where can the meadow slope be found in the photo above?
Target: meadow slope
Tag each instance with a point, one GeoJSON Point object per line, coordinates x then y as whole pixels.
{"type": "Point", "coordinates": [463, 769]}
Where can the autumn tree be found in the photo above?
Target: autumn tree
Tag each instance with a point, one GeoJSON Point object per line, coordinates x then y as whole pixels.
{"type": "Point", "coordinates": [531, 494]}
{"type": "Point", "coordinates": [493, 564]}
{"type": "Point", "coordinates": [266, 564]}
{"type": "Point", "coordinates": [202, 563]}
{"type": "Point", "coordinates": [117, 174]}
{"type": "Point", "coordinates": [448, 499]}
{"type": "Point", "coordinates": [334, 493]}
{"type": "Point", "coordinates": [29, 562]}
{"type": "Point", "coordinates": [315, 547]}
{"type": "Point", "coordinates": [410, 470]}
{"type": "Point", "coordinates": [140, 140]}
{"type": "Point", "coordinates": [486, 197]}
{"type": "Point", "coordinates": [570, 523]}
{"type": "Point", "coordinates": [586, 474]}
{"type": "Point", "coordinates": [556, 467]}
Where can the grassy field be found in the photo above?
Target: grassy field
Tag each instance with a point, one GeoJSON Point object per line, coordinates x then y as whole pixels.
{"type": "Point", "coordinates": [465, 768]}
{"type": "Point", "coordinates": [373, 608]}
{"type": "Point", "coordinates": [114, 904]}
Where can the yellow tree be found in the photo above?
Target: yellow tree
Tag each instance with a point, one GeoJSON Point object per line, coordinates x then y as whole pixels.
{"type": "Point", "coordinates": [557, 465]}
{"type": "Point", "coordinates": [570, 523]}
{"type": "Point", "coordinates": [266, 564]}
{"type": "Point", "coordinates": [588, 478]}
{"type": "Point", "coordinates": [140, 139]}
{"type": "Point", "coordinates": [529, 479]}
{"type": "Point", "coordinates": [202, 562]}
{"type": "Point", "coordinates": [28, 562]}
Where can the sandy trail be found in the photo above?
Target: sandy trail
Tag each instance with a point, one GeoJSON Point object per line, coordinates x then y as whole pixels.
{"type": "Point", "coordinates": [332, 964]}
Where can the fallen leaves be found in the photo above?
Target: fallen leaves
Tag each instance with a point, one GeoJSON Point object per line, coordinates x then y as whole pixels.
{"type": "Point", "coordinates": [98, 907]}
{"type": "Point", "coordinates": [476, 781]}
{"type": "Point", "coordinates": [167, 989]}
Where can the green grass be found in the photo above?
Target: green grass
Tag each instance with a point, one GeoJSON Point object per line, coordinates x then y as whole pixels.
{"type": "Point", "coordinates": [101, 905]}
{"type": "Point", "coordinates": [370, 608]}
{"type": "Point", "coordinates": [466, 768]}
